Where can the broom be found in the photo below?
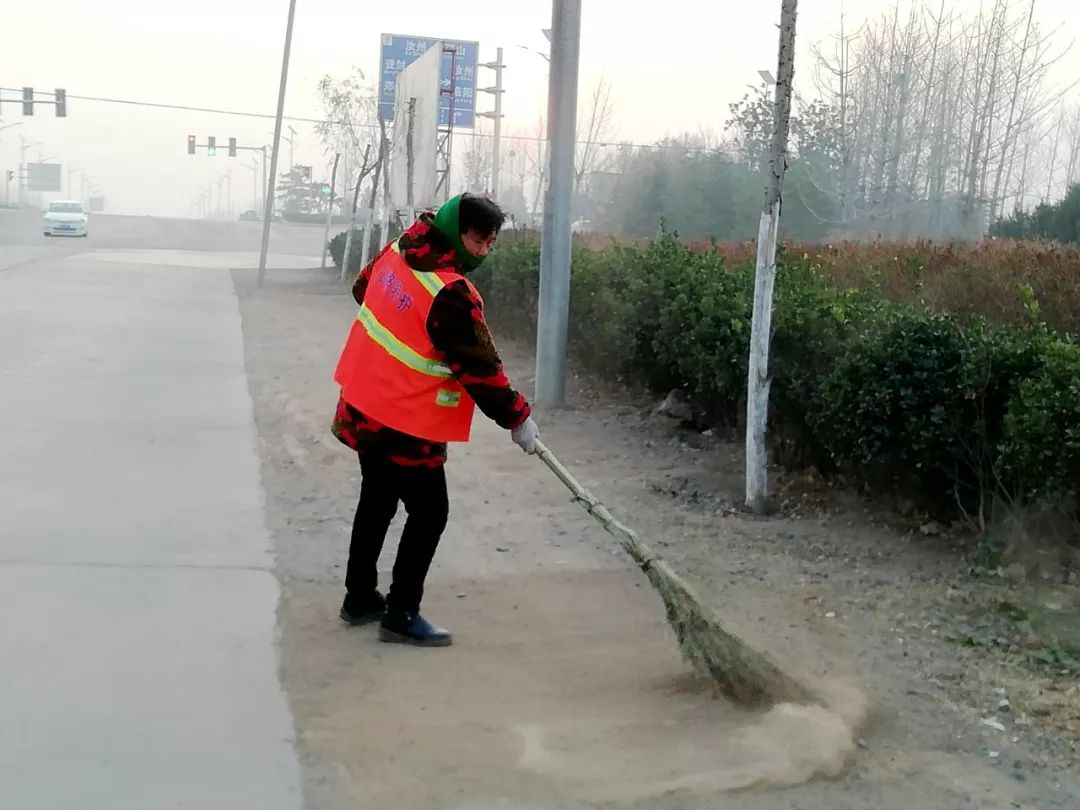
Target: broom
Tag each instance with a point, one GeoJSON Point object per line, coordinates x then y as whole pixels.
{"type": "Point", "coordinates": [742, 673]}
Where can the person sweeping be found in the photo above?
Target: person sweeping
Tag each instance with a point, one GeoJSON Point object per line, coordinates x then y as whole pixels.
{"type": "Point", "coordinates": [418, 361]}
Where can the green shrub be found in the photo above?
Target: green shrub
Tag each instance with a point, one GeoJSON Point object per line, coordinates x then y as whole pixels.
{"type": "Point", "coordinates": [509, 280]}
{"type": "Point", "coordinates": [1041, 448]}
{"type": "Point", "coordinates": [356, 251]}
{"type": "Point", "coordinates": [811, 327]}
{"type": "Point", "coordinates": [917, 403]}
{"type": "Point", "coordinates": [947, 409]}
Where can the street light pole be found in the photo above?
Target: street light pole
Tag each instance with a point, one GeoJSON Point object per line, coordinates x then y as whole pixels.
{"type": "Point", "coordinates": [496, 116]}
{"type": "Point", "coordinates": [554, 305]}
{"type": "Point", "coordinates": [21, 179]}
{"type": "Point", "coordinates": [267, 208]}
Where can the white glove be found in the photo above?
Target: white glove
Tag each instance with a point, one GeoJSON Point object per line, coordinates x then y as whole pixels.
{"type": "Point", "coordinates": [525, 436]}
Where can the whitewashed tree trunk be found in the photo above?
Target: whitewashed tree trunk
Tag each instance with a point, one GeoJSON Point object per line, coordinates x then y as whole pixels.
{"type": "Point", "coordinates": [757, 395]}
{"type": "Point", "coordinates": [364, 170]}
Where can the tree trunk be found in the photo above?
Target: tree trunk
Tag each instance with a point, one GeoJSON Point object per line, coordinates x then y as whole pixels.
{"type": "Point", "coordinates": [1053, 157]}
{"type": "Point", "coordinates": [924, 118]}
{"type": "Point", "coordinates": [352, 219]}
{"type": "Point", "coordinates": [381, 169]}
{"type": "Point", "coordinates": [1009, 138]}
{"type": "Point", "coordinates": [1074, 151]}
{"type": "Point", "coordinates": [757, 397]}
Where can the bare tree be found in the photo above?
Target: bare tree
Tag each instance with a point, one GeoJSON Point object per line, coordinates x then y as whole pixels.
{"type": "Point", "coordinates": [597, 132]}
{"type": "Point", "coordinates": [350, 107]}
{"type": "Point", "coordinates": [1074, 151]}
{"type": "Point", "coordinates": [537, 158]}
{"type": "Point", "coordinates": [935, 112]}
{"type": "Point", "coordinates": [477, 162]}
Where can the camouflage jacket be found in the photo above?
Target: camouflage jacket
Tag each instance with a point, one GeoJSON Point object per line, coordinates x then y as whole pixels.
{"type": "Point", "coordinates": [458, 329]}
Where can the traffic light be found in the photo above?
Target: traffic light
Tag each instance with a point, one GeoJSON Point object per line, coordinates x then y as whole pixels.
{"type": "Point", "coordinates": [232, 147]}
{"type": "Point", "coordinates": [191, 144]}
{"type": "Point", "coordinates": [325, 190]}
{"type": "Point", "coordinates": [28, 101]}
{"type": "Point", "coordinates": [10, 175]}
{"type": "Point", "coordinates": [211, 146]}
{"type": "Point", "coordinates": [61, 102]}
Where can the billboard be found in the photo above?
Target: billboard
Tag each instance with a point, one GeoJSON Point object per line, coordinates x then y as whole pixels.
{"type": "Point", "coordinates": [414, 149]}
{"type": "Point", "coordinates": [43, 177]}
{"type": "Point", "coordinates": [398, 52]}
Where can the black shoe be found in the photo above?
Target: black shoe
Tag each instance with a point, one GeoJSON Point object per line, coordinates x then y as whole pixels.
{"type": "Point", "coordinates": [412, 628]}
{"type": "Point", "coordinates": [361, 611]}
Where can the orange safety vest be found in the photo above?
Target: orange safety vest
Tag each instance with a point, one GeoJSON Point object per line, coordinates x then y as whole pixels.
{"type": "Point", "coordinates": [389, 369]}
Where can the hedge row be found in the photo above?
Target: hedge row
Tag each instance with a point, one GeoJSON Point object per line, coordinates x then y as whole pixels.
{"type": "Point", "coordinates": [943, 408]}
{"type": "Point", "coordinates": [336, 247]}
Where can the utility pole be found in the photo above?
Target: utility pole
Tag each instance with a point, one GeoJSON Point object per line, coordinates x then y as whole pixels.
{"type": "Point", "coordinates": [253, 167]}
{"type": "Point", "coordinates": [23, 146]}
{"type": "Point", "coordinates": [410, 160]}
{"type": "Point", "coordinates": [554, 309]}
{"type": "Point", "coordinates": [330, 210]}
{"type": "Point", "coordinates": [263, 173]}
{"type": "Point", "coordinates": [268, 209]}
{"type": "Point", "coordinates": [758, 382]}
{"type": "Point", "coordinates": [496, 115]}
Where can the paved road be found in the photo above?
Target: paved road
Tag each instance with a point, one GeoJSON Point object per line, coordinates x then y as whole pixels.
{"type": "Point", "coordinates": [138, 646]}
{"type": "Point", "coordinates": [295, 245]}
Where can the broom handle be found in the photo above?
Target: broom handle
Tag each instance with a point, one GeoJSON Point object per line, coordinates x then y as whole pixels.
{"type": "Point", "coordinates": [641, 553]}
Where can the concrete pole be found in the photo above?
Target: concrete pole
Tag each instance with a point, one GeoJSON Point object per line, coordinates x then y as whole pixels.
{"type": "Point", "coordinates": [263, 177]}
{"type": "Point", "coordinates": [268, 211]}
{"type": "Point", "coordinates": [554, 309]}
{"type": "Point", "coordinates": [497, 140]}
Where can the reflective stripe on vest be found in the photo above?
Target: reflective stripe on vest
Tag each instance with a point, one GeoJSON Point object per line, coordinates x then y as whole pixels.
{"type": "Point", "coordinates": [398, 350]}
{"type": "Point", "coordinates": [389, 369]}
{"type": "Point", "coordinates": [430, 282]}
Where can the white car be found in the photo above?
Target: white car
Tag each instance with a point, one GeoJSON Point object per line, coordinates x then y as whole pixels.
{"type": "Point", "coordinates": [65, 218]}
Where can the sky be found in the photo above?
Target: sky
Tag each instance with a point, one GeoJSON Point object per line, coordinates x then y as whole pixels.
{"type": "Point", "coordinates": [673, 67]}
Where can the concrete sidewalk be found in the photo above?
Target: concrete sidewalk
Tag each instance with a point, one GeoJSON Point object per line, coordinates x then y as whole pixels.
{"type": "Point", "coordinates": [138, 644]}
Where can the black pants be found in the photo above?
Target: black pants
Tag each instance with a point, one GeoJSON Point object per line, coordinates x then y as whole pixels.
{"type": "Point", "coordinates": [422, 490]}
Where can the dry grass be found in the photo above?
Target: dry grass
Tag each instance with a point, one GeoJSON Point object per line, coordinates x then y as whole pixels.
{"type": "Point", "coordinates": [967, 279]}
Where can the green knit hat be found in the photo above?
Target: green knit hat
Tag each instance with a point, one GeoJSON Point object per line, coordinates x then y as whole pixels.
{"type": "Point", "coordinates": [448, 223]}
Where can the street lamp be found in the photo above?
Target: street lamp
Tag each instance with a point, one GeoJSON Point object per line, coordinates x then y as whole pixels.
{"type": "Point", "coordinates": [541, 54]}
{"type": "Point", "coordinates": [254, 169]}
{"type": "Point", "coordinates": [289, 141]}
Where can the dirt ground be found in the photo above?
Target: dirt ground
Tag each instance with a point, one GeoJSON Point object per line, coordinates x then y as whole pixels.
{"type": "Point", "coordinates": [565, 689]}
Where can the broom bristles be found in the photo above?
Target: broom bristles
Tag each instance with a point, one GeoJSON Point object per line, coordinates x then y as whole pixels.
{"type": "Point", "coordinates": [741, 672]}
{"type": "Point", "coordinates": [738, 670]}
